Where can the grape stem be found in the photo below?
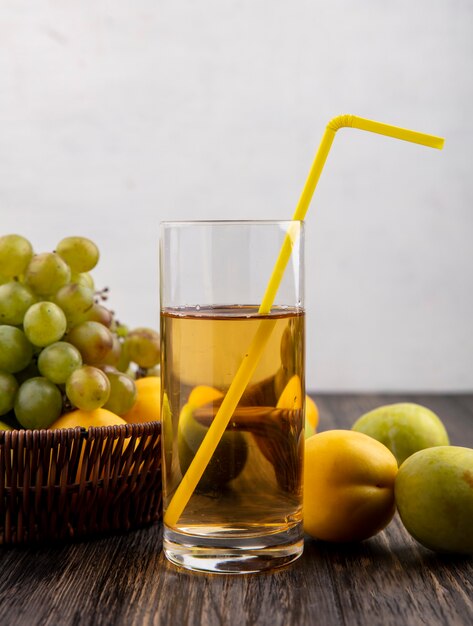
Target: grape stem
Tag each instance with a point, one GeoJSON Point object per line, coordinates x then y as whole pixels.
{"type": "Point", "coordinates": [102, 294]}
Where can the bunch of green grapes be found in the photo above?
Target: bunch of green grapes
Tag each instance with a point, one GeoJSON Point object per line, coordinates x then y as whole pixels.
{"type": "Point", "coordinates": [60, 347]}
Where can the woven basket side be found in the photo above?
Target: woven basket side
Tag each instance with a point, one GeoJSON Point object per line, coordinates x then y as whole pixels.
{"type": "Point", "coordinates": [70, 482]}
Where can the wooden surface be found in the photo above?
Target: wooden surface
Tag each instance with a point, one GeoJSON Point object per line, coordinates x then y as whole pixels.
{"type": "Point", "coordinates": [389, 579]}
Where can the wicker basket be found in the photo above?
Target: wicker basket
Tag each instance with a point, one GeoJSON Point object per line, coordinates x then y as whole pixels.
{"type": "Point", "coordinates": [57, 485]}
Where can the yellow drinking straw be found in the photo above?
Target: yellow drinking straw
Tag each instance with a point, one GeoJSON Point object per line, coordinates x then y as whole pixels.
{"type": "Point", "coordinates": [243, 375]}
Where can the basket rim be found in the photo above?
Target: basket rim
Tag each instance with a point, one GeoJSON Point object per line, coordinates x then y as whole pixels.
{"type": "Point", "coordinates": [84, 432]}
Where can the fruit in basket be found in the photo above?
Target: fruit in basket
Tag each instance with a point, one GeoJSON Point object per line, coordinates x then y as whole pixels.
{"type": "Point", "coordinates": [76, 301]}
{"type": "Point", "coordinates": [143, 347]}
{"type": "Point", "coordinates": [8, 389]}
{"type": "Point", "coordinates": [404, 428]}
{"type": "Point", "coordinates": [348, 486]}
{"type": "Point", "coordinates": [79, 253]}
{"type": "Point", "coordinates": [38, 403]}
{"type": "Point", "coordinates": [57, 337]}
{"type": "Point", "coordinates": [15, 300]}
{"type": "Point", "coordinates": [123, 391]}
{"type": "Point", "coordinates": [58, 361]}
{"type": "Point", "coordinates": [99, 313]}
{"type": "Point", "coordinates": [16, 351]}
{"type": "Point", "coordinates": [86, 419]}
{"type": "Point", "coordinates": [146, 407]}
{"type": "Point", "coordinates": [46, 273]}
{"type": "Point", "coordinates": [44, 323]}
{"type": "Point", "coordinates": [88, 388]}
{"type": "Point", "coordinates": [434, 497]}
{"type": "Point", "coordinates": [93, 340]}
{"type": "Point", "coordinates": [15, 255]}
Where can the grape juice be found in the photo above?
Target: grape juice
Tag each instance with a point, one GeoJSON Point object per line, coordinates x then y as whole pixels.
{"type": "Point", "coordinates": [252, 487]}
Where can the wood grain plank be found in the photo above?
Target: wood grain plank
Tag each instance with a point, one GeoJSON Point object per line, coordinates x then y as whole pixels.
{"type": "Point", "coordinates": [125, 579]}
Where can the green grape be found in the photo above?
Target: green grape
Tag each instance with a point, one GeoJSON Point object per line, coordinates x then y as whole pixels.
{"type": "Point", "coordinates": [113, 357]}
{"type": "Point", "coordinates": [99, 313]}
{"type": "Point", "coordinates": [88, 388]}
{"type": "Point", "coordinates": [80, 253]}
{"type": "Point", "coordinates": [93, 340]}
{"type": "Point", "coordinates": [8, 389]}
{"type": "Point", "coordinates": [122, 392]}
{"type": "Point", "coordinates": [15, 255]}
{"type": "Point", "coordinates": [121, 330]}
{"type": "Point", "coordinates": [47, 273]}
{"type": "Point", "coordinates": [38, 403]}
{"type": "Point", "coordinates": [143, 347]}
{"type": "Point", "coordinates": [44, 323]}
{"type": "Point", "coordinates": [84, 279]}
{"type": "Point", "coordinates": [58, 360]}
{"type": "Point", "coordinates": [15, 349]}
{"type": "Point", "coordinates": [123, 362]}
{"type": "Point", "coordinates": [76, 301]}
{"type": "Point", "coordinates": [15, 300]}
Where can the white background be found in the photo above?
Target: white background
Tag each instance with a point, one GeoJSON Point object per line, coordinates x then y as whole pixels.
{"type": "Point", "coordinates": [116, 115]}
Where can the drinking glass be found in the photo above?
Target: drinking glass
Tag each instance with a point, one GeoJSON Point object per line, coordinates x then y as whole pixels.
{"type": "Point", "coordinates": [245, 512]}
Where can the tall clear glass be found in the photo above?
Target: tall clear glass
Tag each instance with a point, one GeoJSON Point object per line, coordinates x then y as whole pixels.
{"type": "Point", "coordinates": [245, 512]}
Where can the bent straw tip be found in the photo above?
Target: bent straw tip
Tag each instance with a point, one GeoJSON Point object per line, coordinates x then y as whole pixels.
{"type": "Point", "coordinates": [361, 123]}
{"type": "Point", "coordinates": [405, 134]}
{"type": "Point", "coordinates": [345, 120]}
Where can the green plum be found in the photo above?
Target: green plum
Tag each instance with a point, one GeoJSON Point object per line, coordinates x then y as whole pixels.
{"type": "Point", "coordinates": [228, 459]}
{"type": "Point", "coordinates": [434, 497]}
{"type": "Point", "coordinates": [404, 428]}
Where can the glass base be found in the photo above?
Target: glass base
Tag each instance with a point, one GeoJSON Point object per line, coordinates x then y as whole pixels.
{"type": "Point", "coordinates": [233, 554]}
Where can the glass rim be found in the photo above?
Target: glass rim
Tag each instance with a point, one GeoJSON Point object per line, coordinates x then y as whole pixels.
{"type": "Point", "coordinates": [176, 223]}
